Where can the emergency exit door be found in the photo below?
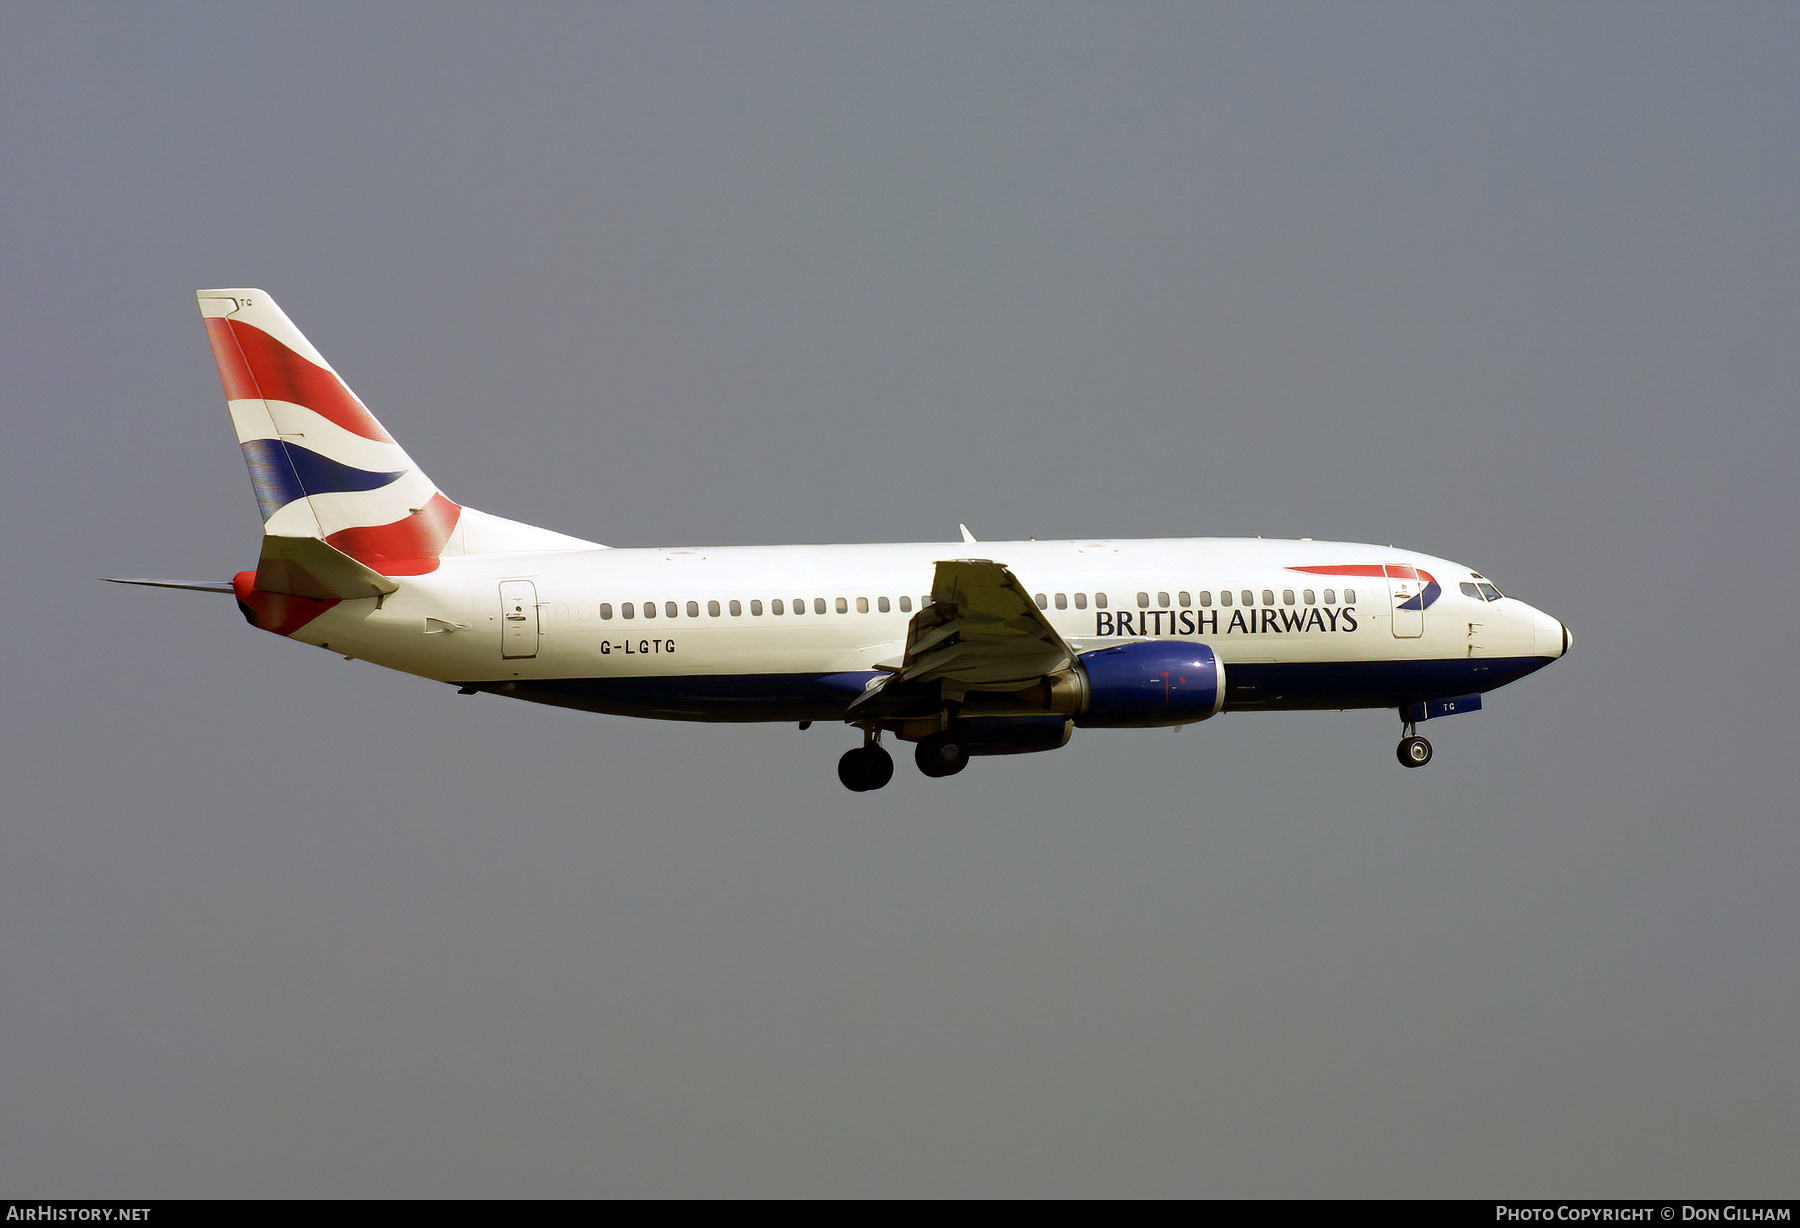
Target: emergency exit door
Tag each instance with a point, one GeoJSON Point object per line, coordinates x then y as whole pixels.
{"type": "Point", "coordinates": [518, 619]}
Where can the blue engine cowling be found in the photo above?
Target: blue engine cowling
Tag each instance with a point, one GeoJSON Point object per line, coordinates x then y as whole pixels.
{"type": "Point", "coordinates": [1154, 682]}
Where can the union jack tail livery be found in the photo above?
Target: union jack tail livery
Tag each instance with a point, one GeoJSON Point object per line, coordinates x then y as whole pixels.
{"type": "Point", "coordinates": [322, 466]}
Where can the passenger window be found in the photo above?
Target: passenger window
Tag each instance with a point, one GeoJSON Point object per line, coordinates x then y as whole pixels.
{"type": "Point", "coordinates": [905, 605]}
{"type": "Point", "coordinates": [1248, 597]}
{"type": "Point", "coordinates": [625, 610]}
{"type": "Point", "coordinates": [926, 601]}
{"type": "Point", "coordinates": [606, 611]}
{"type": "Point", "coordinates": [819, 605]}
{"type": "Point", "coordinates": [1162, 599]}
{"type": "Point", "coordinates": [1349, 596]}
{"type": "Point", "coordinates": [1099, 601]}
{"type": "Point", "coordinates": [1331, 596]}
{"type": "Point", "coordinates": [1181, 599]}
{"type": "Point", "coordinates": [862, 605]}
{"type": "Point", "coordinates": [775, 607]}
{"type": "Point", "coordinates": [756, 608]}
{"type": "Point", "coordinates": [1205, 599]}
{"type": "Point", "coordinates": [668, 609]}
{"type": "Point", "coordinates": [1062, 601]}
{"type": "Point", "coordinates": [843, 606]}
{"type": "Point", "coordinates": [1143, 601]}
{"type": "Point", "coordinates": [694, 609]}
{"type": "Point", "coordinates": [1308, 596]}
{"type": "Point", "coordinates": [1043, 602]}
{"type": "Point", "coordinates": [1081, 601]}
{"type": "Point", "coordinates": [1268, 597]}
{"type": "Point", "coordinates": [1469, 590]}
{"type": "Point", "coordinates": [799, 605]}
{"type": "Point", "coordinates": [1287, 596]}
{"type": "Point", "coordinates": [881, 604]}
{"type": "Point", "coordinates": [737, 608]}
{"type": "Point", "coordinates": [712, 609]}
{"type": "Point", "coordinates": [1225, 596]}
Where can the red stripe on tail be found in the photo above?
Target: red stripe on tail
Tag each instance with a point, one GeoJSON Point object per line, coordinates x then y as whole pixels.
{"type": "Point", "coordinates": [408, 547]}
{"type": "Point", "coordinates": [234, 372]}
{"type": "Point", "coordinates": [253, 364]}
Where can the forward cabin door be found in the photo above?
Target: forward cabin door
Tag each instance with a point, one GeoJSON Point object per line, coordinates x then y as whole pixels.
{"type": "Point", "coordinates": [518, 619]}
{"type": "Point", "coordinates": [1407, 593]}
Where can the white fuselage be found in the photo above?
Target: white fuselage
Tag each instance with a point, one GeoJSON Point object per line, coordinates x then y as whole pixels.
{"type": "Point", "coordinates": [736, 632]}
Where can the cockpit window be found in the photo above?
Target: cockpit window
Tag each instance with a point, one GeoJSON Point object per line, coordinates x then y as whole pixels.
{"type": "Point", "coordinates": [1469, 590]}
{"type": "Point", "coordinates": [1490, 592]}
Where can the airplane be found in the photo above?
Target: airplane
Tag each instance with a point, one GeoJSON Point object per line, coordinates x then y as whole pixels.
{"type": "Point", "coordinates": [964, 650]}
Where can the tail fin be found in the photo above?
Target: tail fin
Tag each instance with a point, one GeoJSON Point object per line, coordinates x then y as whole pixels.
{"type": "Point", "coordinates": [322, 466]}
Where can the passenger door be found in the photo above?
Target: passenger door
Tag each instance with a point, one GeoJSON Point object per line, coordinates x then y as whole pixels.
{"type": "Point", "coordinates": [518, 619]}
{"type": "Point", "coordinates": [1406, 592]}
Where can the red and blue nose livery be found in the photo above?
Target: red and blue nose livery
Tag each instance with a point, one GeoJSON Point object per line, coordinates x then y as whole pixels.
{"type": "Point", "coordinates": [1421, 600]}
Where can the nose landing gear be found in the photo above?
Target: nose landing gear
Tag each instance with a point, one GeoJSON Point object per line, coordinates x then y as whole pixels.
{"type": "Point", "coordinates": [1413, 751]}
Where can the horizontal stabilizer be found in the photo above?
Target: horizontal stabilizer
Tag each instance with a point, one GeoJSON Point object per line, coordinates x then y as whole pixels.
{"type": "Point", "coordinates": [308, 567]}
{"type": "Point", "coordinates": [198, 586]}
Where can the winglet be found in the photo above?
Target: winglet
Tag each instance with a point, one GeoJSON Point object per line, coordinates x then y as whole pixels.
{"type": "Point", "coordinates": [968, 537]}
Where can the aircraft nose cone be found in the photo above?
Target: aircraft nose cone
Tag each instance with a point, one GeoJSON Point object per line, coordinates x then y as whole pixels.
{"type": "Point", "coordinates": [1553, 638]}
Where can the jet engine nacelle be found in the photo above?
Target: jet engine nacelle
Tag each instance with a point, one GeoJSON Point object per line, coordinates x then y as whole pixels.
{"type": "Point", "coordinates": [1012, 735]}
{"type": "Point", "coordinates": [1153, 682]}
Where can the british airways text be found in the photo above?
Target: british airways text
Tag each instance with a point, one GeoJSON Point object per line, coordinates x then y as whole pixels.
{"type": "Point", "coordinates": [1263, 621]}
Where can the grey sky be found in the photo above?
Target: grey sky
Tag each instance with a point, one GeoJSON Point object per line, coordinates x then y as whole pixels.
{"type": "Point", "coordinates": [1514, 284]}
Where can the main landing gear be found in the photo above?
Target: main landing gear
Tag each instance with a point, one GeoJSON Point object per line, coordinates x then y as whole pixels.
{"type": "Point", "coordinates": [941, 754]}
{"type": "Point", "coordinates": [1413, 751]}
{"type": "Point", "coordinates": [866, 767]}
{"type": "Point", "coordinates": [869, 767]}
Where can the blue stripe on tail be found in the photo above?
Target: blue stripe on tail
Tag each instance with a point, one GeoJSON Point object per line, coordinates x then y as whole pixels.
{"type": "Point", "coordinates": [282, 472]}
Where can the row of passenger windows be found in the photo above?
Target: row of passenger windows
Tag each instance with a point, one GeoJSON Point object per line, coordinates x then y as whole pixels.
{"type": "Point", "coordinates": [819, 605]}
{"type": "Point", "coordinates": [714, 609]}
{"type": "Point", "coordinates": [1184, 600]}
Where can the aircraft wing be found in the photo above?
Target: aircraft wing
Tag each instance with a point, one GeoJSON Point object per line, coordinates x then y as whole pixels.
{"type": "Point", "coordinates": [982, 631]}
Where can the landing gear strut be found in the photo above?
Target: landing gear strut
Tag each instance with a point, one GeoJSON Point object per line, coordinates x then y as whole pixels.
{"type": "Point", "coordinates": [866, 767]}
{"type": "Point", "coordinates": [941, 754]}
{"type": "Point", "coordinates": [1413, 751]}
